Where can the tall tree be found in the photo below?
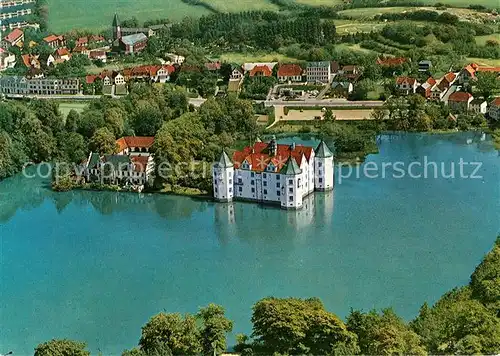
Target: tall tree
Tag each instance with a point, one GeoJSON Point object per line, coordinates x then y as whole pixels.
{"type": "Point", "coordinates": [103, 141]}
{"type": "Point", "coordinates": [62, 348]}
{"type": "Point", "coordinates": [214, 328]}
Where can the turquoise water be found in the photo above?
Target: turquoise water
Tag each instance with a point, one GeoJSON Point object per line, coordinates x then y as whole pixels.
{"type": "Point", "coordinates": [95, 266]}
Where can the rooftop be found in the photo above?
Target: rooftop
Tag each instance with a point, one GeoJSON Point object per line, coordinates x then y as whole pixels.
{"type": "Point", "coordinates": [131, 40]}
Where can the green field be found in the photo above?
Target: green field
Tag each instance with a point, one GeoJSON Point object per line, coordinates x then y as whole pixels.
{"type": "Point", "coordinates": [98, 14]}
{"type": "Point", "coordinates": [353, 26]}
{"type": "Point", "coordinates": [241, 5]}
{"type": "Point", "coordinates": [66, 107]}
{"type": "Point", "coordinates": [465, 3]}
{"type": "Point", "coordinates": [484, 61]}
{"type": "Point", "coordinates": [369, 12]}
{"type": "Point", "coordinates": [320, 2]}
{"type": "Point", "coordinates": [240, 58]}
{"type": "Point", "coordinates": [481, 40]}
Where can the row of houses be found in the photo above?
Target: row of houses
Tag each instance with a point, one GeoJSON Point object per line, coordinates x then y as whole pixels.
{"type": "Point", "coordinates": [152, 73]}
{"type": "Point", "coordinates": [16, 14]}
{"type": "Point", "coordinates": [448, 89]}
{"type": "Point", "coordinates": [39, 86]}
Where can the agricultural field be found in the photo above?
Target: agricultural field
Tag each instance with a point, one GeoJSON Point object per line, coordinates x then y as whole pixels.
{"type": "Point", "coordinates": [239, 58]}
{"type": "Point", "coordinates": [465, 3]}
{"type": "Point", "coordinates": [484, 61]}
{"type": "Point", "coordinates": [97, 14]}
{"type": "Point", "coordinates": [241, 5]}
{"type": "Point", "coordinates": [66, 107]}
{"type": "Point", "coordinates": [370, 12]}
{"type": "Point", "coordinates": [352, 26]}
{"type": "Point", "coordinates": [481, 40]}
{"type": "Point", "coordinates": [320, 2]}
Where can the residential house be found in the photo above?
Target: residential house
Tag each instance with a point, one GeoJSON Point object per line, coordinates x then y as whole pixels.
{"type": "Point", "coordinates": [290, 73]}
{"type": "Point", "coordinates": [213, 66]}
{"type": "Point", "coordinates": [15, 37]}
{"type": "Point", "coordinates": [119, 79]}
{"type": "Point", "coordinates": [424, 66]}
{"type": "Point", "coordinates": [31, 61]}
{"type": "Point", "coordinates": [479, 106]}
{"type": "Point", "coordinates": [175, 58]}
{"type": "Point", "coordinates": [97, 55]}
{"type": "Point", "coordinates": [55, 41]}
{"type": "Point", "coordinates": [133, 164]}
{"type": "Point", "coordinates": [7, 59]}
{"type": "Point", "coordinates": [319, 72]}
{"type": "Point", "coordinates": [161, 74]}
{"type": "Point", "coordinates": [62, 55]}
{"type": "Point", "coordinates": [247, 67]}
{"type": "Point", "coordinates": [342, 88]}
{"type": "Point", "coordinates": [82, 42]}
{"type": "Point", "coordinates": [34, 73]}
{"type": "Point", "coordinates": [406, 85]}
{"type": "Point", "coordinates": [467, 74]}
{"type": "Point", "coordinates": [272, 173]}
{"type": "Point", "coordinates": [46, 60]}
{"type": "Point", "coordinates": [13, 85]}
{"type": "Point", "coordinates": [350, 72]}
{"type": "Point", "coordinates": [460, 101]}
{"type": "Point", "coordinates": [133, 43]}
{"type": "Point", "coordinates": [442, 86]}
{"type": "Point", "coordinates": [425, 89]}
{"type": "Point", "coordinates": [39, 86]}
{"type": "Point", "coordinates": [236, 74]}
{"type": "Point", "coordinates": [83, 50]}
{"type": "Point", "coordinates": [494, 109]}
{"type": "Point", "coordinates": [260, 71]}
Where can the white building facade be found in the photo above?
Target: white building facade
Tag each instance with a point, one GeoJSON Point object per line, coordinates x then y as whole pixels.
{"type": "Point", "coordinates": [275, 174]}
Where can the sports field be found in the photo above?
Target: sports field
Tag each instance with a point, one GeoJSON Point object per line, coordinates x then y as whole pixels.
{"type": "Point", "coordinates": [67, 106]}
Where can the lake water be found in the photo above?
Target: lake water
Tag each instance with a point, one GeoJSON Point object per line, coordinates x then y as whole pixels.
{"type": "Point", "coordinates": [94, 266]}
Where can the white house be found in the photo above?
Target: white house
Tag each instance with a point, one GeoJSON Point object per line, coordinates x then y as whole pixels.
{"type": "Point", "coordinates": [7, 60]}
{"type": "Point", "coordinates": [236, 74]}
{"type": "Point", "coordinates": [479, 106]}
{"type": "Point", "coordinates": [319, 72]}
{"type": "Point", "coordinates": [273, 173]}
{"type": "Point", "coordinates": [406, 85]}
{"type": "Point", "coordinates": [175, 58]}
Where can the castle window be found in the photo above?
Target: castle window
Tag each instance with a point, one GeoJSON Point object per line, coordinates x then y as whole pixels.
{"type": "Point", "coordinates": [240, 189]}
{"type": "Point", "coordinates": [278, 185]}
{"type": "Point", "coordinates": [252, 182]}
{"type": "Point", "coordinates": [265, 191]}
{"type": "Point", "coordinates": [216, 189]}
{"type": "Point", "coordinates": [252, 174]}
{"type": "Point", "coordinates": [278, 193]}
{"type": "Point", "coordinates": [215, 181]}
{"type": "Point", "coordinates": [240, 181]}
{"type": "Point", "coordinates": [265, 183]}
{"type": "Point", "coordinates": [290, 198]}
{"type": "Point", "coordinates": [230, 190]}
{"type": "Point", "coordinates": [290, 190]}
{"type": "Point", "coordinates": [290, 181]}
{"type": "Point", "coordinates": [320, 180]}
{"type": "Point", "coordinates": [320, 164]}
{"type": "Point", "coordinates": [253, 190]}
{"type": "Point", "coordinates": [264, 175]}
{"type": "Point", "coordinates": [230, 181]}
{"type": "Point", "coordinates": [319, 172]}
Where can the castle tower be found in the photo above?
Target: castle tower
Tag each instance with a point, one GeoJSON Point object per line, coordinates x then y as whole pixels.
{"type": "Point", "coordinates": [323, 168]}
{"type": "Point", "coordinates": [117, 31]}
{"type": "Point", "coordinates": [223, 172]}
{"type": "Point", "coordinates": [291, 185]}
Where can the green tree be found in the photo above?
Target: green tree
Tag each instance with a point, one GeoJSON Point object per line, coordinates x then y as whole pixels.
{"type": "Point", "coordinates": [72, 146]}
{"type": "Point", "coordinates": [214, 329]}
{"type": "Point", "coordinates": [72, 121]}
{"type": "Point", "coordinates": [486, 84]}
{"type": "Point", "coordinates": [103, 142]}
{"type": "Point", "coordinates": [62, 348]}
{"type": "Point", "coordinates": [179, 333]}
{"type": "Point", "coordinates": [90, 121]}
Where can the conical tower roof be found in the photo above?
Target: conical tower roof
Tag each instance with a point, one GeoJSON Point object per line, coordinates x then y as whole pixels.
{"type": "Point", "coordinates": [322, 151]}
{"type": "Point", "coordinates": [116, 21]}
{"type": "Point", "coordinates": [291, 167]}
{"type": "Point", "coordinates": [224, 161]}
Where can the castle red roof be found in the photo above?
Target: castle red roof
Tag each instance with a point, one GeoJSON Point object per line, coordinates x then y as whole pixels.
{"type": "Point", "coordinates": [140, 163]}
{"type": "Point", "coordinates": [135, 141]}
{"type": "Point", "coordinates": [290, 70]}
{"type": "Point", "coordinates": [409, 80]}
{"type": "Point", "coordinates": [259, 158]}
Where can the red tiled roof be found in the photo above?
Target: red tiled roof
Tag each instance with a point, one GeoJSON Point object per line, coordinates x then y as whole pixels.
{"type": "Point", "coordinates": [79, 49]}
{"type": "Point", "coordinates": [62, 51]}
{"type": "Point", "coordinates": [290, 70]}
{"type": "Point", "coordinates": [97, 38]}
{"type": "Point", "coordinates": [263, 69]}
{"type": "Point", "coordinates": [89, 79]}
{"type": "Point", "coordinates": [401, 80]}
{"type": "Point", "coordinates": [81, 41]}
{"type": "Point", "coordinates": [431, 81]}
{"type": "Point", "coordinates": [488, 69]}
{"type": "Point", "coordinates": [14, 35]}
{"type": "Point", "coordinates": [450, 77]}
{"type": "Point", "coordinates": [496, 101]}
{"type": "Point", "coordinates": [52, 38]}
{"type": "Point", "coordinates": [391, 61]}
{"type": "Point", "coordinates": [97, 54]}
{"type": "Point", "coordinates": [460, 96]}
{"type": "Point", "coordinates": [213, 65]}
{"type": "Point", "coordinates": [140, 163]}
{"type": "Point", "coordinates": [258, 156]}
{"type": "Point", "coordinates": [135, 141]}
{"type": "Point", "coordinates": [28, 58]}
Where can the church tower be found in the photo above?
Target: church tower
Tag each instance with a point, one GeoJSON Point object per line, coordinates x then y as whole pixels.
{"type": "Point", "coordinates": [223, 172]}
{"type": "Point", "coordinates": [291, 185]}
{"type": "Point", "coordinates": [117, 30]}
{"type": "Point", "coordinates": [323, 168]}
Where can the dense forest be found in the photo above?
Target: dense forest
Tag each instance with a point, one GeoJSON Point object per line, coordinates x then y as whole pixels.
{"type": "Point", "coordinates": [464, 321]}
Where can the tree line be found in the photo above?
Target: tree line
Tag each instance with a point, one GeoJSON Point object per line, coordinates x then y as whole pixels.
{"type": "Point", "coordinates": [464, 321]}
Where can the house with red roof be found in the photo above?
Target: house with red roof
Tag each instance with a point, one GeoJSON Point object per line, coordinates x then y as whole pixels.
{"type": "Point", "coordinates": [83, 50]}
{"type": "Point", "coordinates": [273, 173]}
{"type": "Point", "coordinates": [62, 55]}
{"type": "Point", "coordinates": [460, 101]}
{"type": "Point", "coordinates": [425, 89]}
{"type": "Point", "coordinates": [406, 85]}
{"type": "Point", "coordinates": [133, 164]}
{"type": "Point", "coordinates": [494, 109]}
{"type": "Point", "coordinates": [260, 71]}
{"type": "Point", "coordinates": [31, 60]}
{"type": "Point", "coordinates": [55, 41]}
{"type": "Point", "coordinates": [290, 73]}
{"type": "Point", "coordinates": [98, 55]}
{"type": "Point", "coordinates": [467, 74]}
{"type": "Point", "coordinates": [15, 37]}
{"type": "Point", "coordinates": [213, 66]}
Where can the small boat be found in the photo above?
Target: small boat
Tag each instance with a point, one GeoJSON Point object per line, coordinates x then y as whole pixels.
{"type": "Point", "coordinates": [469, 141]}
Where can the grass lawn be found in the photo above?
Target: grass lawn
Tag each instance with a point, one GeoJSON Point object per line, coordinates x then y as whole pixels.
{"type": "Point", "coordinates": [66, 107]}
{"type": "Point", "coordinates": [98, 14]}
{"type": "Point", "coordinates": [481, 40]}
{"type": "Point", "coordinates": [93, 69]}
{"type": "Point", "coordinates": [351, 26]}
{"type": "Point", "coordinates": [320, 2]}
{"type": "Point", "coordinates": [369, 12]}
{"type": "Point", "coordinates": [354, 47]}
{"type": "Point", "coordinates": [240, 58]}
{"type": "Point", "coordinates": [485, 61]}
{"type": "Point", "coordinates": [242, 5]}
{"type": "Point", "coordinates": [465, 3]}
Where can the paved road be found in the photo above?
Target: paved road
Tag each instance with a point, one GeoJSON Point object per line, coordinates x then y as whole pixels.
{"type": "Point", "coordinates": [198, 101]}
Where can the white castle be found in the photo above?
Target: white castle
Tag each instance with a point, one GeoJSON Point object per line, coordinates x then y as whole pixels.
{"type": "Point", "coordinates": [273, 173]}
